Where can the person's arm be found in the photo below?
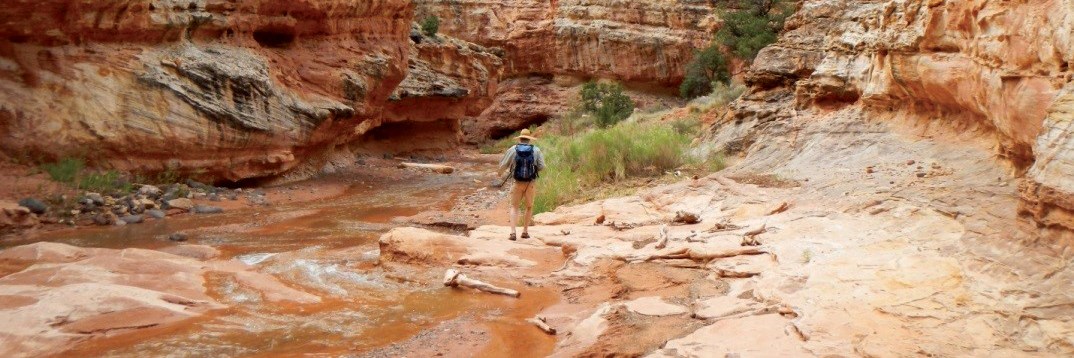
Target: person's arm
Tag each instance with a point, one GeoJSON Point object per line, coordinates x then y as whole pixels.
{"type": "Point", "coordinates": [539, 157]}
{"type": "Point", "coordinates": [507, 161]}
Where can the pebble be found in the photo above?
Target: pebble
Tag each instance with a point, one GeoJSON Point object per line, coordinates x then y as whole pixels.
{"type": "Point", "coordinates": [177, 237]}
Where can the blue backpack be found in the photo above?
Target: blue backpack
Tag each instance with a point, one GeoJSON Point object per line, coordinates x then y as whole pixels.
{"type": "Point", "coordinates": [525, 163]}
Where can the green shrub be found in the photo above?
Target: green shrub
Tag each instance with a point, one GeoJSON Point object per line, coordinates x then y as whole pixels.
{"type": "Point", "coordinates": [606, 102]}
{"type": "Point", "coordinates": [430, 25]}
{"type": "Point", "coordinates": [753, 26]}
{"type": "Point", "coordinates": [66, 170]}
{"type": "Point", "coordinates": [707, 67]}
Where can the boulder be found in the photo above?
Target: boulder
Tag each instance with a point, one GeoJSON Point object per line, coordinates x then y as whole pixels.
{"type": "Point", "coordinates": [13, 215]}
{"type": "Point", "coordinates": [35, 206]}
{"type": "Point", "coordinates": [156, 214]}
{"type": "Point", "coordinates": [181, 203]}
{"type": "Point", "coordinates": [149, 191]}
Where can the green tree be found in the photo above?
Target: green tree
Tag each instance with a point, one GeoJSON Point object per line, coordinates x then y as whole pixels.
{"type": "Point", "coordinates": [430, 25]}
{"type": "Point", "coordinates": [606, 102]}
{"type": "Point", "coordinates": [753, 26]}
{"type": "Point", "coordinates": [707, 66]}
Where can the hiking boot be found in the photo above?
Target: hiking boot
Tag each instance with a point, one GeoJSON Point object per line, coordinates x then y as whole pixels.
{"type": "Point", "coordinates": [512, 237]}
{"type": "Point", "coordinates": [525, 235]}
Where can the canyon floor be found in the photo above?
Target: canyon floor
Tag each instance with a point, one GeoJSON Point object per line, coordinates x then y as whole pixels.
{"type": "Point", "coordinates": [887, 245]}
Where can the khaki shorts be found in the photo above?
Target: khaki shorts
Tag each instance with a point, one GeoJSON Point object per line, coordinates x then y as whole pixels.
{"type": "Point", "coordinates": [523, 190]}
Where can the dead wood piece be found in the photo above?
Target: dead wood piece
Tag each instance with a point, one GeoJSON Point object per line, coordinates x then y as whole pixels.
{"type": "Point", "coordinates": [438, 168]}
{"type": "Point", "coordinates": [686, 218]}
{"type": "Point", "coordinates": [723, 226]}
{"type": "Point", "coordinates": [781, 208]}
{"type": "Point", "coordinates": [693, 237]}
{"type": "Point", "coordinates": [662, 241]}
{"type": "Point", "coordinates": [454, 278]}
{"type": "Point", "coordinates": [542, 324]}
{"type": "Point", "coordinates": [735, 274]}
{"type": "Point", "coordinates": [700, 256]}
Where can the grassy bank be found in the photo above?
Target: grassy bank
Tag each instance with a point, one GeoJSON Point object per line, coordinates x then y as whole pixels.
{"type": "Point", "coordinates": [596, 163]}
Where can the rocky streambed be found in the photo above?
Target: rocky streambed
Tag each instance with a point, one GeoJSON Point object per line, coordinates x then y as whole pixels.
{"type": "Point", "coordinates": [863, 258]}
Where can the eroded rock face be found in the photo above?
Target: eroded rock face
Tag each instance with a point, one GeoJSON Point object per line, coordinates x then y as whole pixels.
{"type": "Point", "coordinates": [644, 43]}
{"type": "Point", "coordinates": [223, 89]}
{"type": "Point", "coordinates": [637, 41]}
{"type": "Point", "coordinates": [988, 69]}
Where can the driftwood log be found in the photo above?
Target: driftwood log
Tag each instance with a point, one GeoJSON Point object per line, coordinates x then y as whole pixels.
{"type": "Point", "coordinates": [454, 278]}
{"type": "Point", "coordinates": [438, 168]}
{"type": "Point", "coordinates": [542, 325]}
{"type": "Point", "coordinates": [686, 253]}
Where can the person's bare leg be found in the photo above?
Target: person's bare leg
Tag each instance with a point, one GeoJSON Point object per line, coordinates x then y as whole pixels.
{"type": "Point", "coordinates": [527, 199]}
{"type": "Point", "coordinates": [526, 221]}
{"type": "Point", "coordinates": [514, 219]}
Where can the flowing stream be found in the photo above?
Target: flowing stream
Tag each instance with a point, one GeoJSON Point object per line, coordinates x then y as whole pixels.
{"type": "Point", "coordinates": [327, 247]}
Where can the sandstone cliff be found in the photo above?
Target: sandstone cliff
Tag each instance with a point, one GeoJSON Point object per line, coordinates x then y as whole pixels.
{"type": "Point", "coordinates": [550, 46]}
{"type": "Point", "coordinates": [222, 89]}
{"type": "Point", "coordinates": [989, 72]}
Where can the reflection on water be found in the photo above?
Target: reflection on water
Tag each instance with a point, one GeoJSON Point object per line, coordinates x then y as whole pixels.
{"type": "Point", "coordinates": [326, 247]}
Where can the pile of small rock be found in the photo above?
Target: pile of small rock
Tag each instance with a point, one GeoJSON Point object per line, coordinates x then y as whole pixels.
{"type": "Point", "coordinates": [147, 202]}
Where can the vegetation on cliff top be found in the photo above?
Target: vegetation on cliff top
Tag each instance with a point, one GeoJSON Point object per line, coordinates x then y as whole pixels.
{"type": "Point", "coordinates": [430, 25]}
{"type": "Point", "coordinates": [745, 31]}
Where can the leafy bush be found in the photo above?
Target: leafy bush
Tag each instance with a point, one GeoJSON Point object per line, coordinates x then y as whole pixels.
{"type": "Point", "coordinates": [430, 25]}
{"type": "Point", "coordinates": [753, 26]}
{"type": "Point", "coordinates": [707, 67]}
{"type": "Point", "coordinates": [606, 102]}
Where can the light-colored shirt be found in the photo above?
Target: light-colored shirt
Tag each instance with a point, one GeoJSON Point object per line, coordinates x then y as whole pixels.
{"type": "Point", "coordinates": [508, 161]}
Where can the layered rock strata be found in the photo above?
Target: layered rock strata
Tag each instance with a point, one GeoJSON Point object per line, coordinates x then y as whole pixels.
{"type": "Point", "coordinates": [993, 70]}
{"type": "Point", "coordinates": [643, 43]}
{"type": "Point", "coordinates": [223, 89]}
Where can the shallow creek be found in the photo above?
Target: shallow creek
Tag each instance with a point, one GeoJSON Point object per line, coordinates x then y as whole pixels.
{"type": "Point", "coordinates": [327, 247]}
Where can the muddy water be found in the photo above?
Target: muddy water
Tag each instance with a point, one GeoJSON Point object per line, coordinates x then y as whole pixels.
{"type": "Point", "coordinates": [327, 247]}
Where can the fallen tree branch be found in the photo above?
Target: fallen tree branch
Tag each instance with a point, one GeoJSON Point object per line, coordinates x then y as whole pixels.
{"type": "Point", "coordinates": [438, 168]}
{"type": "Point", "coordinates": [454, 278]}
{"type": "Point", "coordinates": [783, 206]}
{"type": "Point", "coordinates": [695, 255]}
{"type": "Point", "coordinates": [542, 324]}
{"type": "Point", "coordinates": [721, 273]}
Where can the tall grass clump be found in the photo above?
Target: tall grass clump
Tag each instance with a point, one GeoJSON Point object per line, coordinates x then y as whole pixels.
{"type": "Point", "coordinates": [65, 171]}
{"type": "Point", "coordinates": [72, 171]}
{"type": "Point", "coordinates": [582, 162]}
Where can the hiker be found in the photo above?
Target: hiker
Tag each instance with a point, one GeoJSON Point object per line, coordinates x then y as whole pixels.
{"type": "Point", "coordinates": [524, 160]}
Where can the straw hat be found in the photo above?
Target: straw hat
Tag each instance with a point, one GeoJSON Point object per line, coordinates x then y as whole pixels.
{"type": "Point", "coordinates": [525, 134]}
